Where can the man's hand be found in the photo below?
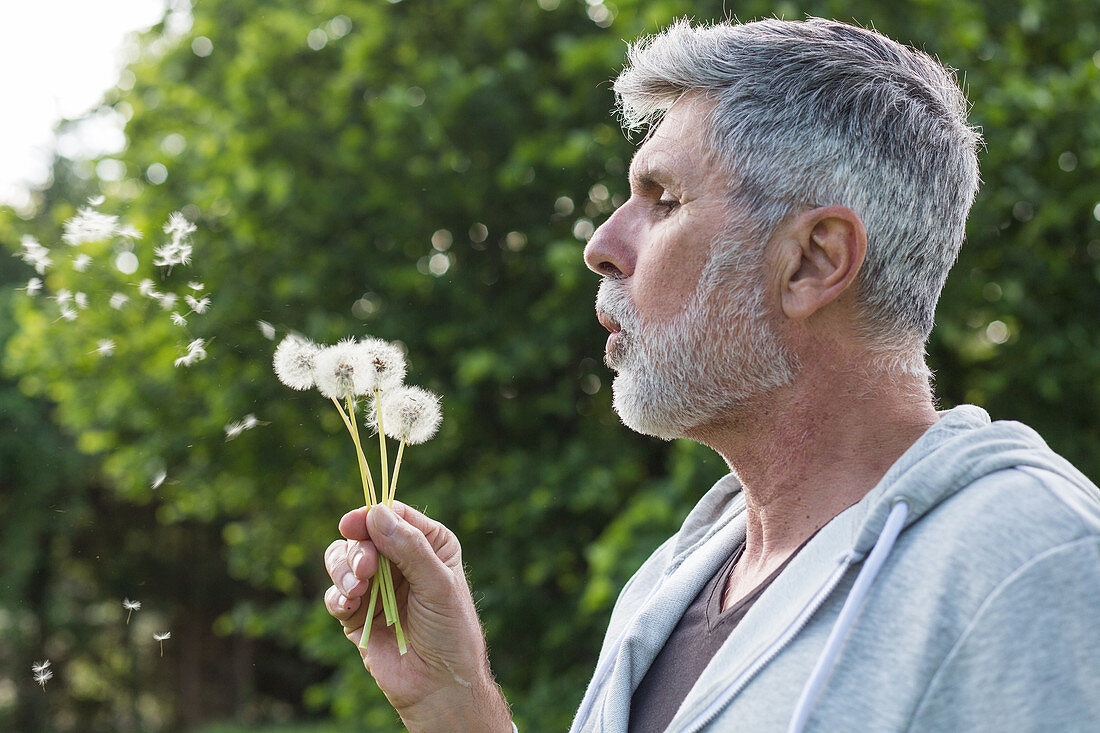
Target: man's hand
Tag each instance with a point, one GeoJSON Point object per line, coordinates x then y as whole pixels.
{"type": "Point", "coordinates": [443, 683]}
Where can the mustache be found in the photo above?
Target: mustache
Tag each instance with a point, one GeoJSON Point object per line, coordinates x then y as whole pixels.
{"type": "Point", "coordinates": [613, 299]}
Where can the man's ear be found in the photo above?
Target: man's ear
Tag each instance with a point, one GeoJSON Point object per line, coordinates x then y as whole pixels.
{"type": "Point", "coordinates": [821, 255]}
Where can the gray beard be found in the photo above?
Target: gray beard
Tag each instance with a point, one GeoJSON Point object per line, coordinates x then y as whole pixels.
{"type": "Point", "coordinates": [706, 366]}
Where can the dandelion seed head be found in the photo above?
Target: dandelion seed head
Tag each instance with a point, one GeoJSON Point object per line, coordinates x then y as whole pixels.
{"type": "Point", "coordinates": [178, 319]}
{"type": "Point", "coordinates": [118, 300]}
{"type": "Point", "coordinates": [89, 226]}
{"type": "Point", "coordinates": [81, 262]}
{"type": "Point", "coordinates": [343, 369]}
{"type": "Point", "coordinates": [411, 414]}
{"type": "Point", "coordinates": [295, 362]}
{"type": "Point", "coordinates": [386, 364]}
{"type": "Point", "coordinates": [266, 329]}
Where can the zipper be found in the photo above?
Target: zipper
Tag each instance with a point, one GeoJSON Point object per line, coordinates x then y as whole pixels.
{"type": "Point", "coordinates": [711, 712]}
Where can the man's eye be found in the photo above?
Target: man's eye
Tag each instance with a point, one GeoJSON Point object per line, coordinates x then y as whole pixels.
{"type": "Point", "coordinates": [666, 202]}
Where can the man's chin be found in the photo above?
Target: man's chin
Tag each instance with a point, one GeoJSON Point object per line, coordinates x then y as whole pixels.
{"type": "Point", "coordinates": [640, 412]}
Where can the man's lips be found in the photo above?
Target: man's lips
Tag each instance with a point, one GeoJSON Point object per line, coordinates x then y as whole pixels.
{"type": "Point", "coordinates": [608, 322]}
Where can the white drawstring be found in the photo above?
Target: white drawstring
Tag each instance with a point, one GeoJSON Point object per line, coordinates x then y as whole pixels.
{"type": "Point", "coordinates": [885, 543]}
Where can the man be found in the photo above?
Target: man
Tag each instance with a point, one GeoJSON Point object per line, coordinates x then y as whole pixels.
{"type": "Point", "coordinates": [870, 563]}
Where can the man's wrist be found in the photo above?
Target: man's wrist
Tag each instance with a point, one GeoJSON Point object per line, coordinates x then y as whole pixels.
{"type": "Point", "coordinates": [473, 707]}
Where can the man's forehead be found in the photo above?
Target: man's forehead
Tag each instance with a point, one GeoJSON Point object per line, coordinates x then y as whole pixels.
{"type": "Point", "coordinates": [673, 149]}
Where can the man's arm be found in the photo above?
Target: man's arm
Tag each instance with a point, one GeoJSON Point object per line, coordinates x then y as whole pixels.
{"type": "Point", "coordinates": [444, 682]}
{"type": "Point", "coordinates": [1030, 659]}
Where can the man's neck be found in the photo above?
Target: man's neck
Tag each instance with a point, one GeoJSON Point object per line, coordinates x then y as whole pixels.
{"type": "Point", "coordinates": [817, 448]}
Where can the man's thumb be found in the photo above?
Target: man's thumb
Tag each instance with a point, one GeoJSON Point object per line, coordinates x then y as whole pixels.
{"type": "Point", "coordinates": [407, 547]}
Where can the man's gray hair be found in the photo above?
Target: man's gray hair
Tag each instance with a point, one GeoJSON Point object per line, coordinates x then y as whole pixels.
{"type": "Point", "coordinates": [819, 113]}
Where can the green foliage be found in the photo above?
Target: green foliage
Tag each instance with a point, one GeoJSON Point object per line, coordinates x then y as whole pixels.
{"type": "Point", "coordinates": [426, 175]}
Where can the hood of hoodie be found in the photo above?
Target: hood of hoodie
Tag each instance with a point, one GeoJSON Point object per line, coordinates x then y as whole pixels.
{"type": "Point", "coordinates": [960, 448]}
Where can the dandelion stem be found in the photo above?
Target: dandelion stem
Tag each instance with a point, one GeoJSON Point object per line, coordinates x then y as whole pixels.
{"type": "Point", "coordinates": [396, 470]}
{"type": "Point", "coordinates": [364, 469]}
{"type": "Point", "coordinates": [388, 599]}
{"type": "Point", "coordinates": [369, 622]}
{"type": "Point", "coordinates": [382, 450]}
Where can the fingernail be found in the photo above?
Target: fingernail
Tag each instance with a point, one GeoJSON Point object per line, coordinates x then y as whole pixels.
{"type": "Point", "coordinates": [386, 521]}
{"type": "Point", "coordinates": [342, 601]}
{"type": "Point", "coordinates": [348, 582]}
{"type": "Point", "coordinates": [356, 560]}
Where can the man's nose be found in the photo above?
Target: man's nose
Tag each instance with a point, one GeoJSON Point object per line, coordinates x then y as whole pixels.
{"type": "Point", "coordinates": [611, 250]}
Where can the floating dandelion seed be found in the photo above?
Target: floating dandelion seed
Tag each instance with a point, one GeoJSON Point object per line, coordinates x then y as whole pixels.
{"type": "Point", "coordinates": [158, 480]}
{"type": "Point", "coordinates": [266, 329]}
{"type": "Point", "coordinates": [128, 232]}
{"type": "Point", "coordinates": [178, 319]}
{"type": "Point", "coordinates": [64, 297]}
{"type": "Point", "coordinates": [118, 300]}
{"type": "Point", "coordinates": [162, 638]}
{"type": "Point", "coordinates": [130, 607]}
{"type": "Point", "coordinates": [81, 262]}
{"type": "Point", "coordinates": [33, 286]}
{"type": "Point", "coordinates": [411, 414]}
{"type": "Point", "coordinates": [196, 352]}
{"type": "Point", "coordinates": [89, 226]}
{"type": "Point", "coordinates": [68, 314]}
{"type": "Point", "coordinates": [233, 429]}
{"type": "Point", "coordinates": [178, 250]}
{"type": "Point", "coordinates": [295, 361]}
{"type": "Point", "coordinates": [34, 254]}
{"type": "Point", "coordinates": [197, 306]}
{"type": "Point", "coordinates": [104, 347]}
{"type": "Point", "coordinates": [195, 285]}
{"type": "Point", "coordinates": [42, 677]}
{"type": "Point", "coordinates": [147, 288]}
{"type": "Point", "coordinates": [178, 226]}
{"type": "Point", "coordinates": [40, 666]}
{"type": "Point", "coordinates": [167, 300]}
{"type": "Point", "coordinates": [81, 300]}
{"type": "Point", "coordinates": [96, 200]}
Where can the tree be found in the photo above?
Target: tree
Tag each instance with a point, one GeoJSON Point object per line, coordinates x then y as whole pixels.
{"type": "Point", "coordinates": [427, 172]}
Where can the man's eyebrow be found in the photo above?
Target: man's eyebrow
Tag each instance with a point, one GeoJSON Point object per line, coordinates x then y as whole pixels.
{"type": "Point", "coordinates": [647, 174]}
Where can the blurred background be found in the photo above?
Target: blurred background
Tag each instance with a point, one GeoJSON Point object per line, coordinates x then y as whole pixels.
{"type": "Point", "coordinates": [424, 171]}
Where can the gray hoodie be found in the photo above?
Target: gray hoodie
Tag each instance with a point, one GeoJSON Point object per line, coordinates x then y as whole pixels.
{"type": "Point", "coordinates": [962, 593]}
